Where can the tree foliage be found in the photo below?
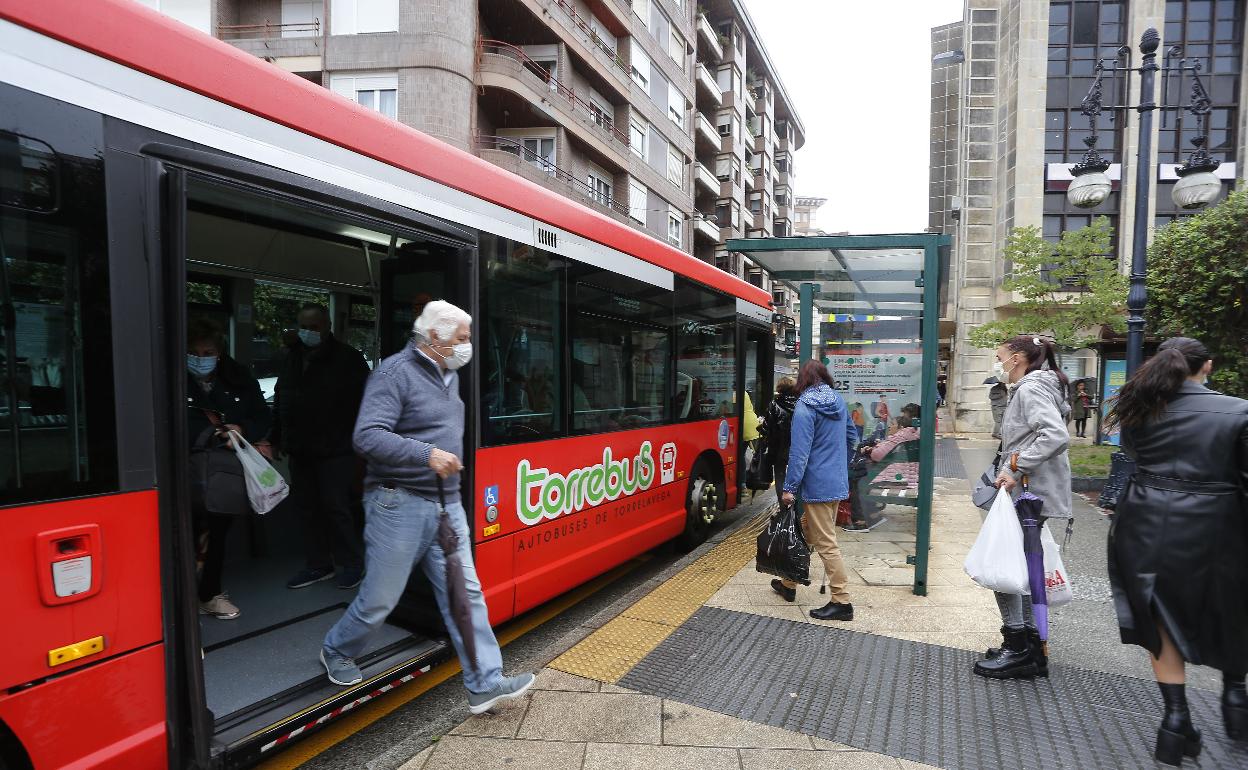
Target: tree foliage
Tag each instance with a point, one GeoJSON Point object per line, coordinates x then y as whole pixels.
{"type": "Point", "coordinates": [1198, 286]}
{"type": "Point", "coordinates": [1043, 274]}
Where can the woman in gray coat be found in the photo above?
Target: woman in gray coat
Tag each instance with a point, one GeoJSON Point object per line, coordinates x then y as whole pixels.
{"type": "Point", "coordinates": [1034, 441]}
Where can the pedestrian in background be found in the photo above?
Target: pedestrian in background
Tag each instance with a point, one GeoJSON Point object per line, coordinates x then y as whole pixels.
{"type": "Point", "coordinates": [998, 397]}
{"type": "Point", "coordinates": [1178, 545]}
{"type": "Point", "coordinates": [1034, 444]}
{"type": "Point", "coordinates": [777, 427]}
{"type": "Point", "coordinates": [1080, 408]}
{"type": "Point", "coordinates": [818, 471]}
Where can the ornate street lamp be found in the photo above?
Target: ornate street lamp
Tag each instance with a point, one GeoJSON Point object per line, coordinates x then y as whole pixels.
{"type": "Point", "coordinates": [1197, 185]}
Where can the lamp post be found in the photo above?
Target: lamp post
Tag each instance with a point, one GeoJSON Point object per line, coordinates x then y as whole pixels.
{"type": "Point", "coordinates": [1197, 185]}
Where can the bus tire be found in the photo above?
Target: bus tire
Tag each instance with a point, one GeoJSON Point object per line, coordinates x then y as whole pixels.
{"type": "Point", "coordinates": [12, 755]}
{"type": "Point", "coordinates": [703, 501]}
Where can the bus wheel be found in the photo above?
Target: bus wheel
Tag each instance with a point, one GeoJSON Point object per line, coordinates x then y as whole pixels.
{"type": "Point", "coordinates": [702, 503]}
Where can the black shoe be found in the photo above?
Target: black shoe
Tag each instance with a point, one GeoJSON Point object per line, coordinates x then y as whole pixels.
{"type": "Point", "coordinates": [1039, 652]}
{"type": "Point", "coordinates": [995, 652]}
{"type": "Point", "coordinates": [834, 611]}
{"type": "Point", "coordinates": [1176, 738]}
{"type": "Point", "coordinates": [1235, 707]}
{"type": "Point", "coordinates": [1015, 660]}
{"type": "Point", "coordinates": [788, 594]}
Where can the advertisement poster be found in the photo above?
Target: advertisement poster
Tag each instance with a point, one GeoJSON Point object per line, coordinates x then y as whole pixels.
{"type": "Point", "coordinates": [877, 385]}
{"type": "Point", "coordinates": [1115, 376]}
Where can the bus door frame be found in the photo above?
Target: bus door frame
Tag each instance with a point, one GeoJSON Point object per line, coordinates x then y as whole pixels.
{"type": "Point", "coordinates": [153, 169]}
{"type": "Point", "coordinates": [766, 368]}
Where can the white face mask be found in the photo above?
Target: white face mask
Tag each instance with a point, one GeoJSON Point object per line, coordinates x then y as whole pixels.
{"type": "Point", "coordinates": [998, 370]}
{"type": "Point", "coordinates": [460, 355]}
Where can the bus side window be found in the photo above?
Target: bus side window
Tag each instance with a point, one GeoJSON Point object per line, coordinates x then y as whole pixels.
{"type": "Point", "coordinates": [57, 421]}
{"type": "Point", "coordinates": [706, 364]}
{"type": "Point", "coordinates": [522, 361]}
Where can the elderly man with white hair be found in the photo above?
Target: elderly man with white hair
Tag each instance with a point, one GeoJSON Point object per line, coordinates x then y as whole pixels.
{"type": "Point", "coordinates": [411, 431]}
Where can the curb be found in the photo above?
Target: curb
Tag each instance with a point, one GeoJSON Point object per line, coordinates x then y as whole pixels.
{"type": "Point", "coordinates": [1087, 484]}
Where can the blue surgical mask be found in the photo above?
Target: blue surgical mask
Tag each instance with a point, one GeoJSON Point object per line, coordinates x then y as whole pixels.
{"type": "Point", "coordinates": [201, 366]}
{"type": "Point", "coordinates": [309, 337]}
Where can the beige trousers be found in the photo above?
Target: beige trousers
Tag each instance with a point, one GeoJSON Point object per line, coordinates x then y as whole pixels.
{"type": "Point", "coordinates": [819, 527]}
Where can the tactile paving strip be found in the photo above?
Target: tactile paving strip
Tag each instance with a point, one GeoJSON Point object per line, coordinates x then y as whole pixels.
{"type": "Point", "coordinates": [608, 653]}
{"type": "Point", "coordinates": [948, 460]}
{"type": "Point", "coordinates": [915, 701]}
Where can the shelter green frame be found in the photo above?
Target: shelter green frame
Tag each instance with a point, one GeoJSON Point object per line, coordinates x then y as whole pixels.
{"type": "Point", "coordinates": [757, 249]}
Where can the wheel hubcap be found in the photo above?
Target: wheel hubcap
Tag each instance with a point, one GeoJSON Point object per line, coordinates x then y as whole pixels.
{"type": "Point", "coordinates": [705, 500]}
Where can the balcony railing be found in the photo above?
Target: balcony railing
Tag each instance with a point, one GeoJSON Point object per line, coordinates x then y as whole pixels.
{"type": "Point", "coordinates": [707, 81]}
{"type": "Point", "coordinates": [581, 188]}
{"type": "Point", "coordinates": [708, 34]}
{"type": "Point", "coordinates": [587, 31]}
{"type": "Point", "coordinates": [573, 100]}
{"type": "Point", "coordinates": [703, 174]}
{"type": "Point", "coordinates": [268, 30]}
{"type": "Point", "coordinates": [707, 130]}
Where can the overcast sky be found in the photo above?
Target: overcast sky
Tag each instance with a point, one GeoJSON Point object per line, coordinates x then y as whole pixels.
{"type": "Point", "coordinates": [858, 72]}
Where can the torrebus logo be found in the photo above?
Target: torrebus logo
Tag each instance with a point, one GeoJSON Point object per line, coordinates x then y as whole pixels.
{"type": "Point", "coordinates": [542, 494]}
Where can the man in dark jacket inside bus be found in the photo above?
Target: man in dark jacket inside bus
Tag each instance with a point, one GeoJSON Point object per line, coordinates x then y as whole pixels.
{"type": "Point", "coordinates": [316, 401]}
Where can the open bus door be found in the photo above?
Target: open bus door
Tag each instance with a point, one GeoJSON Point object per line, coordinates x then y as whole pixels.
{"type": "Point", "coordinates": [756, 357]}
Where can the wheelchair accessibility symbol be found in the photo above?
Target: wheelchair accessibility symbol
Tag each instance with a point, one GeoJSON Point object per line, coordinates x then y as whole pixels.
{"type": "Point", "coordinates": [491, 495]}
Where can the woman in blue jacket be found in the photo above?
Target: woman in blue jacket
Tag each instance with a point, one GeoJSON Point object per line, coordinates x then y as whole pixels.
{"type": "Point", "coordinates": [822, 441]}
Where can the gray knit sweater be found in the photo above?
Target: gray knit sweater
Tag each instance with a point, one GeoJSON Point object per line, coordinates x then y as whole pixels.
{"type": "Point", "coordinates": [407, 412]}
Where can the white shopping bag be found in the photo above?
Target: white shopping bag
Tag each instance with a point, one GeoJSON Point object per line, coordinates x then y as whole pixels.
{"type": "Point", "coordinates": [996, 559]}
{"type": "Point", "coordinates": [265, 486]}
{"type": "Point", "coordinates": [1056, 581]}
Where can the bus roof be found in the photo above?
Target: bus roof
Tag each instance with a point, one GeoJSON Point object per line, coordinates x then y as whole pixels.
{"type": "Point", "coordinates": [147, 41]}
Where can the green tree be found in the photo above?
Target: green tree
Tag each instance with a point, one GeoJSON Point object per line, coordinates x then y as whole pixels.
{"type": "Point", "coordinates": [1043, 274]}
{"type": "Point", "coordinates": [1198, 286]}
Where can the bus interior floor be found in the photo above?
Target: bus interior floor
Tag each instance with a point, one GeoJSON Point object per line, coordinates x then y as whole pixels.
{"type": "Point", "coordinates": [249, 669]}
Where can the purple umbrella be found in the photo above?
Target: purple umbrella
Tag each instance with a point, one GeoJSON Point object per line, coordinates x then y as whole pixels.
{"type": "Point", "coordinates": [1029, 507]}
{"type": "Point", "coordinates": [459, 608]}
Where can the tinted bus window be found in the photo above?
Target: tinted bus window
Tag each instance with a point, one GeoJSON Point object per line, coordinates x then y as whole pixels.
{"type": "Point", "coordinates": [522, 357]}
{"type": "Point", "coordinates": [621, 343]}
{"type": "Point", "coordinates": [706, 366]}
{"type": "Point", "coordinates": [57, 425]}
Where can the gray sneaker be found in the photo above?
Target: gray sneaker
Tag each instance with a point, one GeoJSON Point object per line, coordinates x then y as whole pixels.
{"type": "Point", "coordinates": [510, 687]}
{"type": "Point", "coordinates": [341, 670]}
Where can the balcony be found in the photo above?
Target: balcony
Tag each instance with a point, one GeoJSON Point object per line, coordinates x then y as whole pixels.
{"type": "Point", "coordinates": [704, 227]}
{"type": "Point", "coordinates": [708, 39]}
{"type": "Point", "coordinates": [703, 176]}
{"type": "Point", "coordinates": [707, 85]}
{"type": "Point", "coordinates": [571, 19]}
{"type": "Point", "coordinates": [503, 65]}
{"type": "Point", "coordinates": [511, 155]}
{"type": "Point", "coordinates": [277, 41]}
{"type": "Point", "coordinates": [707, 133]}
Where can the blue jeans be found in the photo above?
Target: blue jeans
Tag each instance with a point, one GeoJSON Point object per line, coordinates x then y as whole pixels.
{"type": "Point", "coordinates": [400, 530]}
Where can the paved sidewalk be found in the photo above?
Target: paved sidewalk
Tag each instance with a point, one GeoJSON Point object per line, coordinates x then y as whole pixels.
{"type": "Point", "coordinates": [712, 669]}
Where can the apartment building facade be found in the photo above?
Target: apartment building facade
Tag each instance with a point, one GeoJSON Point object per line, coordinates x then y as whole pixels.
{"type": "Point", "coordinates": [1006, 128]}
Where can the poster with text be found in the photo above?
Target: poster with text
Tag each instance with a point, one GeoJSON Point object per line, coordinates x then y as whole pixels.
{"type": "Point", "coordinates": [877, 385]}
{"type": "Point", "coordinates": [1115, 376]}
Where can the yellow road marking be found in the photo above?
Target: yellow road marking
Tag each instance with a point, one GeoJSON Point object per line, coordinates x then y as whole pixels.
{"type": "Point", "coordinates": [342, 728]}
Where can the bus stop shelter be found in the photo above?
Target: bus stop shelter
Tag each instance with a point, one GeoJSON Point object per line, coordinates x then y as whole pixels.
{"type": "Point", "coordinates": [876, 300]}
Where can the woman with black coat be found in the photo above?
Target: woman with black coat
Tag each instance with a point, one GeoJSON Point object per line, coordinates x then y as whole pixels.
{"type": "Point", "coordinates": [221, 396]}
{"type": "Point", "coordinates": [1179, 539]}
{"type": "Point", "coordinates": [777, 427]}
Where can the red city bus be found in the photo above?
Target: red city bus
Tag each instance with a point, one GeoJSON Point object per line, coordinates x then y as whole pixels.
{"type": "Point", "coordinates": [150, 176]}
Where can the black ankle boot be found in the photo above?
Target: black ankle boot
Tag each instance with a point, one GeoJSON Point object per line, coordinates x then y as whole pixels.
{"type": "Point", "coordinates": [1176, 738]}
{"type": "Point", "coordinates": [995, 652]}
{"type": "Point", "coordinates": [1039, 652]}
{"type": "Point", "coordinates": [1015, 660]}
{"type": "Point", "coordinates": [1235, 707]}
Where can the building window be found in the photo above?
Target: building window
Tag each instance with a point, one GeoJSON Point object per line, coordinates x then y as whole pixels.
{"type": "Point", "coordinates": [1210, 34]}
{"type": "Point", "coordinates": [638, 136]}
{"type": "Point", "coordinates": [300, 18]}
{"type": "Point", "coordinates": [600, 182]}
{"type": "Point", "coordinates": [676, 48]}
{"type": "Point", "coordinates": [642, 9]}
{"type": "Point", "coordinates": [637, 195]}
{"type": "Point", "coordinates": [674, 224]}
{"type": "Point", "coordinates": [603, 112]}
{"type": "Point", "coordinates": [780, 228]}
{"type": "Point", "coordinates": [676, 105]}
{"type": "Point", "coordinates": [756, 203]}
{"type": "Point", "coordinates": [676, 168]}
{"type": "Point", "coordinates": [641, 68]}
{"type": "Point", "coordinates": [727, 77]}
{"type": "Point", "coordinates": [375, 91]}
{"type": "Point", "coordinates": [353, 17]}
{"type": "Point", "coordinates": [782, 163]}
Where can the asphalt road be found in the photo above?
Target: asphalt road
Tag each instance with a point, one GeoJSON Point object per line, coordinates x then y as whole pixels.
{"type": "Point", "coordinates": [390, 741]}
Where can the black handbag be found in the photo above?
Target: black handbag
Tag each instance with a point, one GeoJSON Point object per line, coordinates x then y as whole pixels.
{"type": "Point", "coordinates": [216, 477]}
{"type": "Point", "coordinates": [758, 474]}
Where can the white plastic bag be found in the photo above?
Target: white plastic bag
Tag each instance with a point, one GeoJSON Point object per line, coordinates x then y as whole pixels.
{"type": "Point", "coordinates": [265, 486]}
{"type": "Point", "coordinates": [1056, 581]}
{"type": "Point", "coordinates": [996, 560]}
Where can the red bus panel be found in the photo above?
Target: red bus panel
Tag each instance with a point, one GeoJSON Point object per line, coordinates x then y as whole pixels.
{"type": "Point", "coordinates": [44, 545]}
{"type": "Point", "coordinates": [553, 514]}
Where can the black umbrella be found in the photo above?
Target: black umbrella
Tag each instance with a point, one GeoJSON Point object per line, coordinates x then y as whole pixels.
{"type": "Point", "coordinates": [456, 587]}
